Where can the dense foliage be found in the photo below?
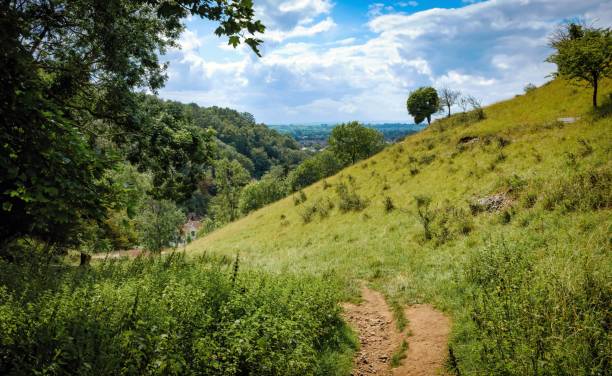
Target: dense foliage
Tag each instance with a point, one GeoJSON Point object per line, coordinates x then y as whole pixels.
{"type": "Point", "coordinates": [271, 187]}
{"type": "Point", "coordinates": [69, 72]}
{"type": "Point", "coordinates": [168, 316]}
{"type": "Point", "coordinates": [422, 103]}
{"type": "Point", "coordinates": [262, 146]}
{"type": "Point", "coordinates": [313, 169]}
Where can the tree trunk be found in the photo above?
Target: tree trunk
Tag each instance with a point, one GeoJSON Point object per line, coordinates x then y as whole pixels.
{"type": "Point", "coordinates": [85, 259]}
{"type": "Point", "coordinates": [428, 119]}
{"type": "Point", "coordinates": [595, 93]}
{"type": "Point", "coordinates": [449, 111]}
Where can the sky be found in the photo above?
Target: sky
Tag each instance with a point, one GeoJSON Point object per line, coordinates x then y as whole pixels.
{"type": "Point", "coordinates": [341, 60]}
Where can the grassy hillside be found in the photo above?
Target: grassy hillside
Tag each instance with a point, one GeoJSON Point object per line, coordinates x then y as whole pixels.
{"type": "Point", "coordinates": [527, 279]}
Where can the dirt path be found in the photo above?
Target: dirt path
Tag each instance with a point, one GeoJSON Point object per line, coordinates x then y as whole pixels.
{"type": "Point", "coordinates": [380, 339]}
{"type": "Point", "coordinates": [427, 345]}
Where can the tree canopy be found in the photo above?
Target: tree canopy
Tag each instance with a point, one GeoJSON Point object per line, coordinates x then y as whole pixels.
{"type": "Point", "coordinates": [422, 103]}
{"type": "Point", "coordinates": [583, 54]}
{"type": "Point", "coordinates": [352, 141]}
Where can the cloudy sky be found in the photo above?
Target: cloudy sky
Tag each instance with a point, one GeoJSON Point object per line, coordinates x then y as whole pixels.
{"type": "Point", "coordinates": [341, 60]}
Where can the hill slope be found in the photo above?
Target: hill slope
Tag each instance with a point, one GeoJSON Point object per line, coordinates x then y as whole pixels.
{"type": "Point", "coordinates": [519, 226]}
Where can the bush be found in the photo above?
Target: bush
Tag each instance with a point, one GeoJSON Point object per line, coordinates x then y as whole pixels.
{"type": "Point", "coordinates": [349, 199]}
{"type": "Point", "coordinates": [322, 207]}
{"type": "Point", "coordinates": [389, 206]}
{"type": "Point", "coordinates": [442, 224]}
{"type": "Point", "coordinates": [164, 315]}
{"type": "Point", "coordinates": [299, 198]}
{"type": "Point", "coordinates": [586, 190]}
{"type": "Point", "coordinates": [529, 88]}
{"type": "Point", "coordinates": [258, 194]}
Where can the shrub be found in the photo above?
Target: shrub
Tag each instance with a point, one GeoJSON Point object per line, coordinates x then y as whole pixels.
{"type": "Point", "coordinates": [529, 88]}
{"type": "Point", "coordinates": [389, 206]}
{"type": "Point", "coordinates": [257, 194]}
{"type": "Point", "coordinates": [586, 190]}
{"type": "Point", "coordinates": [425, 214]}
{"type": "Point", "coordinates": [427, 159]}
{"type": "Point", "coordinates": [299, 198]}
{"type": "Point", "coordinates": [349, 199]}
{"type": "Point", "coordinates": [315, 168]}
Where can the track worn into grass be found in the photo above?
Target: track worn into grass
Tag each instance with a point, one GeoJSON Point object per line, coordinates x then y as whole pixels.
{"type": "Point", "coordinates": [380, 339]}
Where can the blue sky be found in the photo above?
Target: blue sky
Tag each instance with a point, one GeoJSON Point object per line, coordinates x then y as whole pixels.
{"type": "Point", "coordinates": [332, 61]}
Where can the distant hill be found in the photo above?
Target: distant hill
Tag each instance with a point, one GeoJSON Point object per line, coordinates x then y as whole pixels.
{"type": "Point", "coordinates": [503, 223]}
{"type": "Point", "coordinates": [312, 134]}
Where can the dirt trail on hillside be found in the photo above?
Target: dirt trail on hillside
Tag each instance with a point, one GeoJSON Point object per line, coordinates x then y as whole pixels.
{"type": "Point", "coordinates": [380, 339]}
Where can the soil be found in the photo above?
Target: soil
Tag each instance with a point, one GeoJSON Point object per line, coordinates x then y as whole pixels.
{"type": "Point", "coordinates": [379, 337]}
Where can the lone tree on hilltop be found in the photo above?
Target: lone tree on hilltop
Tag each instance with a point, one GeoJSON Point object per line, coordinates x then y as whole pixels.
{"type": "Point", "coordinates": [448, 98]}
{"type": "Point", "coordinates": [583, 53]}
{"type": "Point", "coordinates": [422, 103]}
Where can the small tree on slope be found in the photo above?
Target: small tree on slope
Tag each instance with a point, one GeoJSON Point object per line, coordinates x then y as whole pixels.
{"type": "Point", "coordinates": [583, 54]}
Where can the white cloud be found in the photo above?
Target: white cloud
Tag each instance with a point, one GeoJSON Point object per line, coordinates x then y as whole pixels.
{"type": "Point", "coordinates": [317, 6]}
{"type": "Point", "coordinates": [285, 15]}
{"type": "Point", "coordinates": [488, 49]}
{"type": "Point", "coordinates": [300, 31]}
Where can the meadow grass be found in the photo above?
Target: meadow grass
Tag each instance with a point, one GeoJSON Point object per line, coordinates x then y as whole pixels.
{"type": "Point", "coordinates": [555, 182]}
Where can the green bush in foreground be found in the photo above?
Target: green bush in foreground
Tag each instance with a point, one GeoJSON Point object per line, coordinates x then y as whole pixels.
{"type": "Point", "coordinates": [168, 316]}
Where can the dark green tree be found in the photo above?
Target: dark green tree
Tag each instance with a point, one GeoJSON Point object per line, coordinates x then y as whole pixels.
{"type": "Point", "coordinates": [352, 141]}
{"type": "Point", "coordinates": [422, 103]}
{"type": "Point", "coordinates": [171, 147]}
{"type": "Point", "coordinates": [583, 54]}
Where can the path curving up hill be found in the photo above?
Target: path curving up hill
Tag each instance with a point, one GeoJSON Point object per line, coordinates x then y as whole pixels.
{"type": "Point", "coordinates": [426, 335]}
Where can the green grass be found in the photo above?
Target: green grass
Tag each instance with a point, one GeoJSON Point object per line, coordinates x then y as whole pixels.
{"type": "Point", "coordinates": [399, 354]}
{"type": "Point", "coordinates": [555, 178]}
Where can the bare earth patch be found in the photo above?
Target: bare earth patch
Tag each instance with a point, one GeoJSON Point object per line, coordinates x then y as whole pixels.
{"type": "Point", "coordinates": [380, 339]}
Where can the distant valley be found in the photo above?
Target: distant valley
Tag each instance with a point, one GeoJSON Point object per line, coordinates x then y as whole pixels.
{"type": "Point", "coordinates": [313, 135]}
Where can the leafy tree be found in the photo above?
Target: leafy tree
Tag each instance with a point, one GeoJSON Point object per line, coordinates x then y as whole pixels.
{"type": "Point", "coordinates": [448, 98]}
{"type": "Point", "coordinates": [583, 54]}
{"type": "Point", "coordinates": [352, 142]}
{"type": "Point", "coordinates": [422, 103]}
{"type": "Point", "coordinates": [159, 224]}
{"type": "Point", "coordinates": [271, 187]}
{"type": "Point", "coordinates": [69, 69]}
{"type": "Point", "coordinates": [230, 178]}
{"type": "Point", "coordinates": [171, 148]}
{"type": "Point", "coordinates": [313, 169]}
